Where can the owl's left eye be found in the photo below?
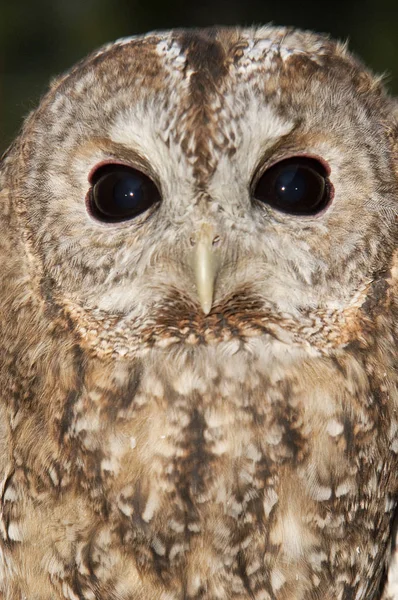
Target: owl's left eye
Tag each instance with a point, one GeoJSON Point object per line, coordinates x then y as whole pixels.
{"type": "Point", "coordinates": [297, 186]}
{"type": "Point", "coordinates": [120, 193]}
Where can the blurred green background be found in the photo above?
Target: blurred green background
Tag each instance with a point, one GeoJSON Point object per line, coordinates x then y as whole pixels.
{"type": "Point", "coordinates": [40, 38]}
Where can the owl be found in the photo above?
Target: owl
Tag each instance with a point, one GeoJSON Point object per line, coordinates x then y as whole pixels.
{"type": "Point", "coordinates": [198, 300]}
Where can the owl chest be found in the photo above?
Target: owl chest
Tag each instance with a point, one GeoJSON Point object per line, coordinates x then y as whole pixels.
{"type": "Point", "coordinates": [217, 477]}
{"type": "Point", "coordinates": [239, 474]}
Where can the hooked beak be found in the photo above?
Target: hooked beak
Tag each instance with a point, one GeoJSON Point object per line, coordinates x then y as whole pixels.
{"type": "Point", "coordinates": [205, 264]}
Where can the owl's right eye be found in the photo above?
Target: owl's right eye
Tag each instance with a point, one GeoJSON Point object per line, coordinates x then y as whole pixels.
{"type": "Point", "coordinates": [120, 193]}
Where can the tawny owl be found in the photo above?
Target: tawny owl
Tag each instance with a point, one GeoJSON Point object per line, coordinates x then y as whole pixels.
{"type": "Point", "coordinates": [198, 367]}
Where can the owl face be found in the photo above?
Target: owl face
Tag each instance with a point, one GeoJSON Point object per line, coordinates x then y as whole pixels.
{"type": "Point", "coordinates": [212, 172]}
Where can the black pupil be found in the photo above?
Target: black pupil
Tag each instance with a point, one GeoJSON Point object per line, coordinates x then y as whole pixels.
{"type": "Point", "coordinates": [295, 186]}
{"type": "Point", "coordinates": [292, 185]}
{"type": "Point", "coordinates": [120, 193]}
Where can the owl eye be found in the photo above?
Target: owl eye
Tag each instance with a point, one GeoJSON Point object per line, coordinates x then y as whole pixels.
{"type": "Point", "coordinates": [298, 186]}
{"type": "Point", "coordinates": [120, 193]}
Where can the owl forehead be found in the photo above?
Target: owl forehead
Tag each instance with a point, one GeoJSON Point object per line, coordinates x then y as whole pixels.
{"type": "Point", "coordinates": [204, 108]}
{"type": "Point", "coordinates": [217, 48]}
{"type": "Point", "coordinates": [207, 94]}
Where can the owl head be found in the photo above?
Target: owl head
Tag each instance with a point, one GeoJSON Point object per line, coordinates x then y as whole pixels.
{"type": "Point", "coordinates": [193, 185]}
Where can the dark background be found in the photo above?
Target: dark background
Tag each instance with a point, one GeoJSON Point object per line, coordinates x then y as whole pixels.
{"type": "Point", "coordinates": [40, 38]}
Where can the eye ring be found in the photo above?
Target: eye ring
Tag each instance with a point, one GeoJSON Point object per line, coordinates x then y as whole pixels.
{"type": "Point", "coordinates": [298, 185]}
{"type": "Point", "coordinates": [120, 193]}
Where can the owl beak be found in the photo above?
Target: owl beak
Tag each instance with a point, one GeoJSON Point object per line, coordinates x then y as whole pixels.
{"type": "Point", "coordinates": [205, 264]}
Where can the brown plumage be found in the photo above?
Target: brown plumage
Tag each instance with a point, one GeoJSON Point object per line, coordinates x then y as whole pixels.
{"type": "Point", "coordinates": [220, 429]}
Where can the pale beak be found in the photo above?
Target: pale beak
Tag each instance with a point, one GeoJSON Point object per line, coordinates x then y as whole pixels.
{"type": "Point", "coordinates": [205, 264]}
